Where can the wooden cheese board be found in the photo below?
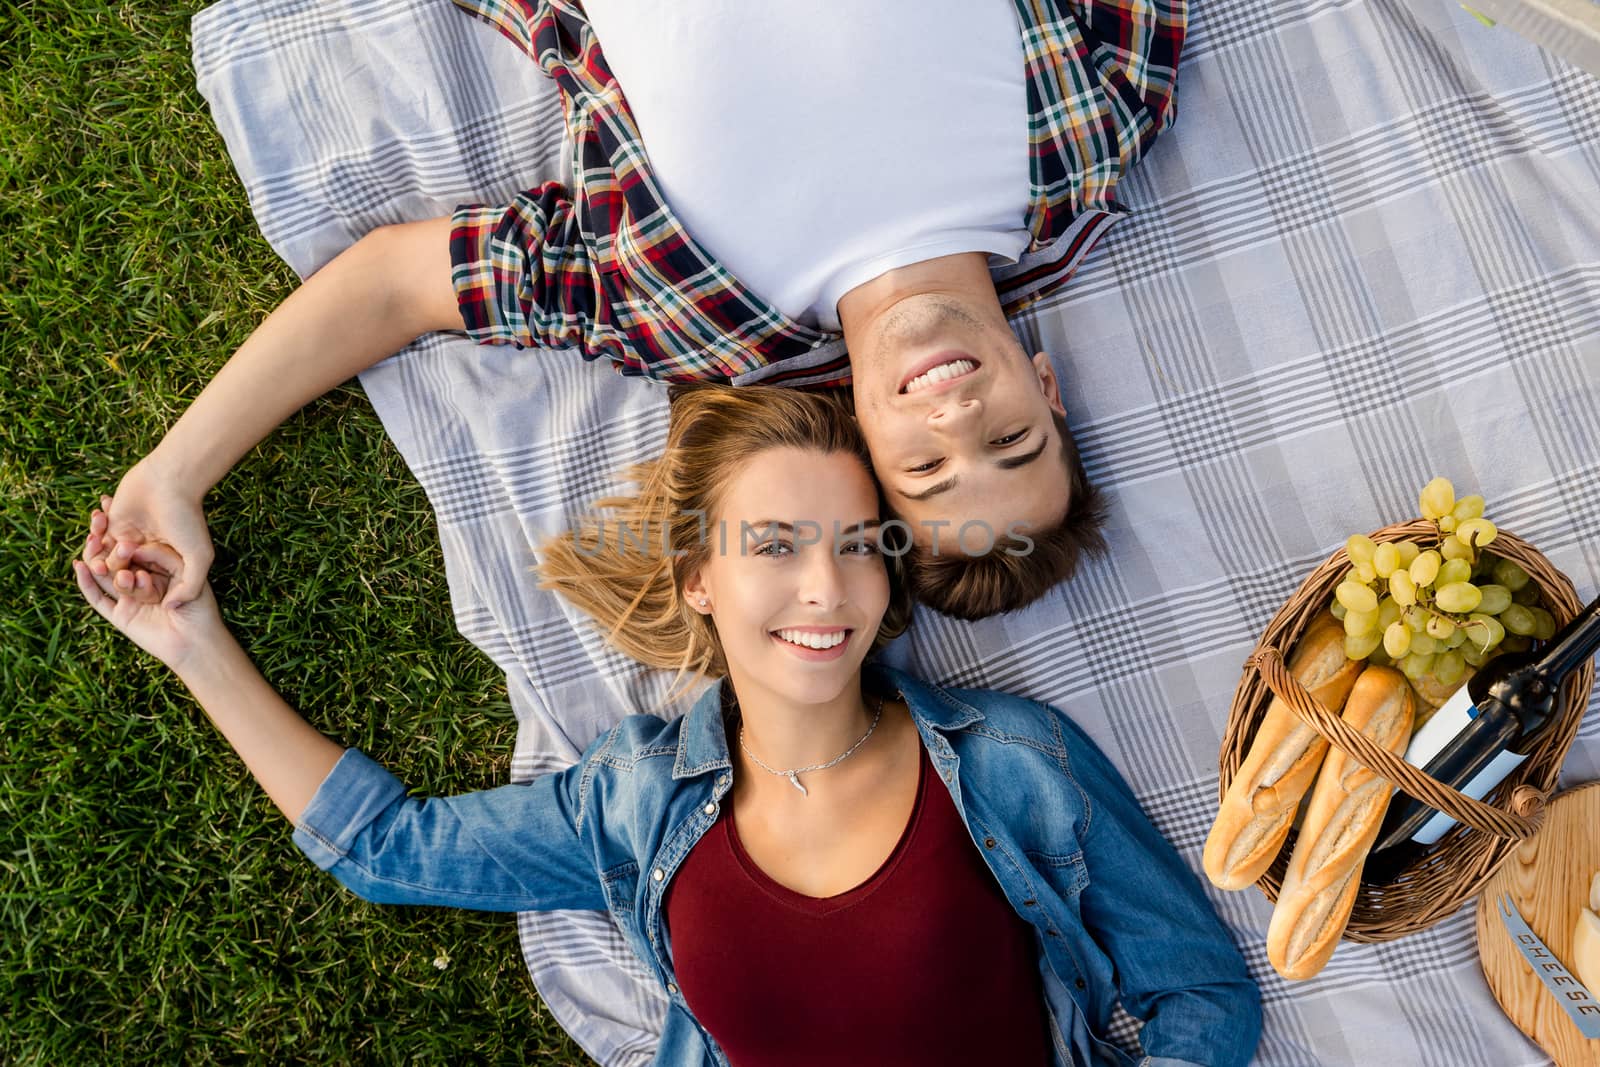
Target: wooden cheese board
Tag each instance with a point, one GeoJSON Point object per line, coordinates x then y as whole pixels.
{"type": "Point", "coordinates": [1547, 878]}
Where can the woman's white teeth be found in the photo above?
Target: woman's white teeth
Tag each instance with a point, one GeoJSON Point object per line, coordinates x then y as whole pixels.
{"type": "Point", "coordinates": [942, 372]}
{"type": "Point", "coordinates": [811, 640]}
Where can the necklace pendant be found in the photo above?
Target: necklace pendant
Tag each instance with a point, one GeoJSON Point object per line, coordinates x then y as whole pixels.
{"type": "Point", "coordinates": [794, 780]}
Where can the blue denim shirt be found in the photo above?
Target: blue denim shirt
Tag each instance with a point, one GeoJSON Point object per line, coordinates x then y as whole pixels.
{"type": "Point", "coordinates": [1117, 913]}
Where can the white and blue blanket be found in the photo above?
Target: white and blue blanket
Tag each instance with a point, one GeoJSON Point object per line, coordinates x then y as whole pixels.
{"type": "Point", "coordinates": [1367, 254]}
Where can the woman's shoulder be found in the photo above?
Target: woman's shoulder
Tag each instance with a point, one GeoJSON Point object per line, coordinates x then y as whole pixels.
{"type": "Point", "coordinates": [992, 712]}
{"type": "Point", "coordinates": [636, 738]}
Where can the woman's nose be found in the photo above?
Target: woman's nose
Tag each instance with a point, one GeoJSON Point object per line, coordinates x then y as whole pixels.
{"type": "Point", "coordinates": [823, 584]}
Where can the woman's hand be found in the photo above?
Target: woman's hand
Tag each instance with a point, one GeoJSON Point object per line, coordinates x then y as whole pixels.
{"type": "Point", "coordinates": [152, 508]}
{"type": "Point", "coordinates": [287, 756]}
{"type": "Point", "coordinates": [134, 595]}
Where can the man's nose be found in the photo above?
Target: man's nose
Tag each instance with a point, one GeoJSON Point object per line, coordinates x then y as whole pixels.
{"type": "Point", "coordinates": [955, 412]}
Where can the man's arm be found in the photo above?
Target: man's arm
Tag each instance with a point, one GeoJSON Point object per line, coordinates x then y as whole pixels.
{"type": "Point", "coordinates": [376, 297]}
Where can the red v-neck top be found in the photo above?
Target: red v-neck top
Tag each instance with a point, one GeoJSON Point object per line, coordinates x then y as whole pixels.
{"type": "Point", "coordinates": [924, 963]}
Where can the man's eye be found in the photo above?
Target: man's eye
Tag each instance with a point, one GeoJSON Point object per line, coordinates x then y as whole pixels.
{"type": "Point", "coordinates": [921, 467]}
{"type": "Point", "coordinates": [1010, 438]}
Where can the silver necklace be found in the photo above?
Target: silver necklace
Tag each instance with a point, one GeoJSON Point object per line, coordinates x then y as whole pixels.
{"type": "Point", "coordinates": [794, 775]}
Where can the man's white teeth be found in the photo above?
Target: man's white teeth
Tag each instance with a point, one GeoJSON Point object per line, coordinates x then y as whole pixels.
{"type": "Point", "coordinates": [941, 373]}
{"type": "Point", "coordinates": [811, 640]}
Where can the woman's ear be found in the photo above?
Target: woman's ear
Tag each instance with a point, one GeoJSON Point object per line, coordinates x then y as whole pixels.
{"type": "Point", "coordinates": [694, 591]}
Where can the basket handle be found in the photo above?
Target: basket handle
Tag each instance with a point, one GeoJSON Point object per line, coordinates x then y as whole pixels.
{"type": "Point", "coordinates": [1527, 803]}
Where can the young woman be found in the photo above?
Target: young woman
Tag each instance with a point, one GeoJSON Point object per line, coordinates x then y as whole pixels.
{"type": "Point", "coordinates": [823, 861]}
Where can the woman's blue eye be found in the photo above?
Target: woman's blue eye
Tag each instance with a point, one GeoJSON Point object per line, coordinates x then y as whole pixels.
{"type": "Point", "coordinates": [772, 548]}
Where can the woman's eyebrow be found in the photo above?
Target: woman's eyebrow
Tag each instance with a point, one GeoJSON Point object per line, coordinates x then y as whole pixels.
{"type": "Point", "coordinates": [785, 527]}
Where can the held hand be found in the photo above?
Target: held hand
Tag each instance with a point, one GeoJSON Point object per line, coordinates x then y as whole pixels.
{"type": "Point", "coordinates": [134, 597]}
{"type": "Point", "coordinates": [151, 509]}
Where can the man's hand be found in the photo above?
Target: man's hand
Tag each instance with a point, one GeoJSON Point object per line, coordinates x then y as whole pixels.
{"type": "Point", "coordinates": [135, 597]}
{"type": "Point", "coordinates": [372, 300]}
{"type": "Point", "coordinates": [152, 509]}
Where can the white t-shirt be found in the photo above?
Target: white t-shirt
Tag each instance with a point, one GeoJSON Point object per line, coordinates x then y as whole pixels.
{"type": "Point", "coordinates": [813, 145]}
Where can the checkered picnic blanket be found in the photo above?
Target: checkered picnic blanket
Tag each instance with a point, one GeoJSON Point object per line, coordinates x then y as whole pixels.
{"type": "Point", "coordinates": [1367, 254]}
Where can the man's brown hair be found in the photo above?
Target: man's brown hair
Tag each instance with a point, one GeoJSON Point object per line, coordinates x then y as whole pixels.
{"type": "Point", "coordinates": [975, 587]}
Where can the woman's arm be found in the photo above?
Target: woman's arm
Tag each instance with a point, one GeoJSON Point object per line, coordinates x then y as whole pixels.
{"type": "Point", "coordinates": [515, 848]}
{"type": "Point", "coordinates": [285, 753]}
{"type": "Point", "coordinates": [1176, 966]}
{"type": "Point", "coordinates": [287, 756]}
{"type": "Point", "coordinates": [377, 296]}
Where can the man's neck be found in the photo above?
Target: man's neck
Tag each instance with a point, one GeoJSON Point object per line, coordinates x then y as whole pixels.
{"type": "Point", "coordinates": [963, 276]}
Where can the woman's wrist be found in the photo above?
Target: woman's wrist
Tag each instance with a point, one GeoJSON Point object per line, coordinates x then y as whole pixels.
{"type": "Point", "coordinates": [214, 662]}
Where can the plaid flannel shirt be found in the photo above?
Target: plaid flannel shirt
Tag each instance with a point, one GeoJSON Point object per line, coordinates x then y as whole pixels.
{"type": "Point", "coordinates": [606, 267]}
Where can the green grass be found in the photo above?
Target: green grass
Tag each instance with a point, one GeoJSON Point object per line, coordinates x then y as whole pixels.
{"type": "Point", "coordinates": [152, 906]}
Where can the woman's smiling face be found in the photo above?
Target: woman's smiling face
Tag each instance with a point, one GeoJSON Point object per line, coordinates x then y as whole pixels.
{"type": "Point", "coordinates": [796, 578]}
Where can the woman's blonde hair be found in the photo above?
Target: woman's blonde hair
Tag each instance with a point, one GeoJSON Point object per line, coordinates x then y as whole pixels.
{"type": "Point", "coordinates": [625, 564]}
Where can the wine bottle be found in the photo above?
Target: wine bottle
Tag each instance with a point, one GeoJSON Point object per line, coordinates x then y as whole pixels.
{"type": "Point", "coordinates": [1489, 726]}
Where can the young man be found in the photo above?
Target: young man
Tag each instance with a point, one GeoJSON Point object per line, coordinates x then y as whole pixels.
{"type": "Point", "coordinates": [854, 197]}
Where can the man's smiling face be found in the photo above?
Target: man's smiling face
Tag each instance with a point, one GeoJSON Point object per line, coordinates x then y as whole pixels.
{"type": "Point", "coordinates": [960, 425]}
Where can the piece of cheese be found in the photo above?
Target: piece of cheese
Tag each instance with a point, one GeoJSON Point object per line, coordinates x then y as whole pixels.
{"type": "Point", "coordinates": [1586, 950]}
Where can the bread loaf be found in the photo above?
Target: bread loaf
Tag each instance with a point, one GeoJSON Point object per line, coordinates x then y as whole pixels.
{"type": "Point", "coordinates": [1260, 803]}
{"type": "Point", "coordinates": [1342, 820]}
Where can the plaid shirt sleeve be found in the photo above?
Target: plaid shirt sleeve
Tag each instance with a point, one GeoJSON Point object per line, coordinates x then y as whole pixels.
{"type": "Point", "coordinates": [524, 276]}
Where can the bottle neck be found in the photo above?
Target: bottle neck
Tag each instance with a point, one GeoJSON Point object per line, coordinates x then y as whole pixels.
{"type": "Point", "coordinates": [1572, 645]}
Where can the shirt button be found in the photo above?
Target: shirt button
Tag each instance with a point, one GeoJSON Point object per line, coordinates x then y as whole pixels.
{"type": "Point", "coordinates": [988, 842]}
{"type": "Point", "coordinates": [658, 874]}
{"type": "Point", "coordinates": [710, 809]}
{"type": "Point", "coordinates": [722, 779]}
{"type": "Point", "coordinates": [1080, 983]}
{"type": "Point", "coordinates": [673, 989]}
{"type": "Point", "coordinates": [1029, 903]}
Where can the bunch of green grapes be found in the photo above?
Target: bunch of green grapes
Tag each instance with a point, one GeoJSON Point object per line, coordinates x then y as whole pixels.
{"type": "Point", "coordinates": [1441, 608]}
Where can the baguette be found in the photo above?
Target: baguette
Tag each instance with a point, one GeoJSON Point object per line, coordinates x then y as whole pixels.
{"type": "Point", "coordinates": [1255, 813]}
{"type": "Point", "coordinates": [1342, 820]}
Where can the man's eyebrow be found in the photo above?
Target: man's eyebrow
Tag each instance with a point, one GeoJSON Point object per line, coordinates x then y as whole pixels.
{"type": "Point", "coordinates": [1011, 463]}
{"type": "Point", "coordinates": [932, 490]}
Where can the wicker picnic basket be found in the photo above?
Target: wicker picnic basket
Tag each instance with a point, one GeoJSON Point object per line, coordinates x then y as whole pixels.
{"type": "Point", "coordinates": [1455, 870]}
